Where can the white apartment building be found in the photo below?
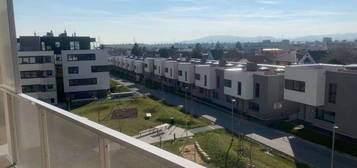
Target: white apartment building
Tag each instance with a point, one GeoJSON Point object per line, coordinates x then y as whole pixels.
{"type": "Point", "coordinates": [131, 64]}
{"type": "Point", "coordinates": [159, 65]}
{"type": "Point", "coordinates": [139, 67]}
{"type": "Point", "coordinates": [37, 73]}
{"type": "Point", "coordinates": [85, 73]}
{"type": "Point", "coordinates": [205, 76]}
{"type": "Point", "coordinates": [306, 83]}
{"type": "Point", "coordinates": [239, 83]}
{"type": "Point", "coordinates": [171, 71]}
{"type": "Point", "coordinates": [186, 72]}
{"type": "Point", "coordinates": [149, 65]}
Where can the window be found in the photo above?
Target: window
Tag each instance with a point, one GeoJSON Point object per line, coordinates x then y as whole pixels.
{"type": "Point", "coordinates": [295, 85]}
{"type": "Point", "coordinates": [71, 45]}
{"type": "Point", "coordinates": [166, 70]}
{"type": "Point", "coordinates": [180, 73]}
{"type": "Point", "coordinates": [35, 60]}
{"type": "Point", "coordinates": [257, 90]}
{"type": "Point", "coordinates": [229, 99]}
{"type": "Point", "coordinates": [80, 57]}
{"type": "Point", "coordinates": [154, 67]}
{"type": "Point", "coordinates": [43, 46]}
{"type": "Point", "coordinates": [79, 82]}
{"type": "Point", "coordinates": [58, 44]}
{"type": "Point", "coordinates": [197, 76]}
{"type": "Point", "coordinates": [102, 68]}
{"type": "Point", "coordinates": [253, 106]}
{"type": "Point", "coordinates": [73, 70]}
{"type": "Point", "coordinates": [170, 72]}
{"type": "Point", "coordinates": [325, 115]}
{"type": "Point", "coordinates": [205, 80]}
{"type": "Point", "coordinates": [145, 65]}
{"type": "Point", "coordinates": [35, 74]}
{"type": "Point", "coordinates": [215, 95]}
{"type": "Point", "coordinates": [239, 88]}
{"type": "Point", "coordinates": [227, 83]}
{"type": "Point", "coordinates": [218, 82]}
{"type": "Point", "coordinates": [185, 76]}
{"type": "Point", "coordinates": [36, 88]}
{"type": "Point", "coordinates": [76, 45]}
{"type": "Point", "coordinates": [332, 92]}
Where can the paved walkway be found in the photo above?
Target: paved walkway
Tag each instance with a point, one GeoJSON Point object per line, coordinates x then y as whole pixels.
{"type": "Point", "coordinates": [315, 155]}
{"type": "Point", "coordinates": [165, 136]}
{"type": "Point", "coordinates": [204, 129]}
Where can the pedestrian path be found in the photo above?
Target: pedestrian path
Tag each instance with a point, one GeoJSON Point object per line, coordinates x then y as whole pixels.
{"type": "Point", "coordinates": [206, 128]}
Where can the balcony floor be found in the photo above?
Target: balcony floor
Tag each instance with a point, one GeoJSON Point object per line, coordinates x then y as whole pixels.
{"type": "Point", "coordinates": [4, 163]}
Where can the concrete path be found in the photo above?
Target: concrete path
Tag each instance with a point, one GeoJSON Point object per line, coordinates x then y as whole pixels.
{"type": "Point", "coordinates": [165, 136]}
{"type": "Point", "coordinates": [315, 155]}
{"type": "Point", "coordinates": [204, 129]}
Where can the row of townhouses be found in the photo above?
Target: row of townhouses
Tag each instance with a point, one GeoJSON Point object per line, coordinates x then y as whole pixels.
{"type": "Point", "coordinates": [320, 94]}
{"type": "Point", "coordinates": [62, 68]}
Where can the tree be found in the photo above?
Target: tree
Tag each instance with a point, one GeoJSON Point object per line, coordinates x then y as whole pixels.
{"type": "Point", "coordinates": [218, 52]}
{"type": "Point", "coordinates": [136, 50]}
{"type": "Point", "coordinates": [164, 52]}
{"type": "Point", "coordinates": [239, 46]}
{"type": "Point", "coordinates": [197, 51]}
{"type": "Point", "coordinates": [172, 52]}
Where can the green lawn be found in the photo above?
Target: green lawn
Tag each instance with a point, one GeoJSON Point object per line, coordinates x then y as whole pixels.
{"type": "Point", "coordinates": [114, 88]}
{"type": "Point", "coordinates": [160, 114]}
{"type": "Point", "coordinates": [317, 137]}
{"type": "Point", "coordinates": [215, 144]}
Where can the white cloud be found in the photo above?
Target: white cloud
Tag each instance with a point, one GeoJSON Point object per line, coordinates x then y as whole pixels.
{"type": "Point", "coordinates": [268, 2]}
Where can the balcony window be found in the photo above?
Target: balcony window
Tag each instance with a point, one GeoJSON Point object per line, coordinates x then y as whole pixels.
{"type": "Point", "coordinates": [36, 88]}
{"type": "Point", "coordinates": [73, 70]}
{"type": "Point", "coordinates": [239, 88]}
{"type": "Point", "coordinates": [257, 90]}
{"type": "Point", "coordinates": [80, 57]}
{"type": "Point", "coordinates": [227, 83]}
{"type": "Point", "coordinates": [185, 76]}
{"type": "Point", "coordinates": [197, 76]}
{"type": "Point", "coordinates": [325, 115]}
{"type": "Point", "coordinates": [332, 93]}
{"type": "Point", "coordinates": [295, 85]}
{"type": "Point", "coordinates": [35, 60]}
{"type": "Point", "coordinates": [35, 74]}
{"type": "Point", "coordinates": [180, 73]}
{"type": "Point", "coordinates": [166, 70]}
{"type": "Point", "coordinates": [81, 82]}
{"type": "Point", "coordinates": [101, 68]}
{"type": "Point", "coordinates": [205, 80]}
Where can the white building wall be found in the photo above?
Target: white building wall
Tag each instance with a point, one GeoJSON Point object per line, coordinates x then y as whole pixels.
{"type": "Point", "coordinates": [139, 66]}
{"type": "Point", "coordinates": [239, 75]}
{"type": "Point", "coordinates": [49, 94]}
{"type": "Point", "coordinates": [314, 78]}
{"type": "Point", "coordinates": [131, 63]}
{"type": "Point", "coordinates": [85, 70]}
{"type": "Point", "coordinates": [149, 65]}
{"type": "Point", "coordinates": [172, 72]}
{"type": "Point", "coordinates": [209, 72]}
{"type": "Point", "coordinates": [160, 67]}
{"type": "Point", "coordinates": [189, 69]}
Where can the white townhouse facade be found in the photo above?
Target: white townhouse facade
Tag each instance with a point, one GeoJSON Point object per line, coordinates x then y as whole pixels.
{"type": "Point", "coordinates": [37, 74]}
{"type": "Point", "coordinates": [149, 65]}
{"type": "Point", "coordinates": [205, 76]}
{"type": "Point", "coordinates": [85, 73]}
{"type": "Point", "coordinates": [186, 72]}
{"type": "Point", "coordinates": [159, 67]}
{"type": "Point", "coordinates": [171, 71]}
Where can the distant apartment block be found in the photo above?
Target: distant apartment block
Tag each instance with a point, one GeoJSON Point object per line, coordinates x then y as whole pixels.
{"type": "Point", "coordinates": [70, 67]}
{"type": "Point", "coordinates": [37, 74]}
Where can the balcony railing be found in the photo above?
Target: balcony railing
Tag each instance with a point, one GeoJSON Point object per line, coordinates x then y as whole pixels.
{"type": "Point", "coordinates": [45, 136]}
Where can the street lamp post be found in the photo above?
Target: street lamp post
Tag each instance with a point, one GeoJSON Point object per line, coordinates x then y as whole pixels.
{"type": "Point", "coordinates": [333, 144]}
{"type": "Point", "coordinates": [233, 101]}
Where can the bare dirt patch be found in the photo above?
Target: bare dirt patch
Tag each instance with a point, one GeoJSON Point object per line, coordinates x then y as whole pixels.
{"type": "Point", "coordinates": [190, 152]}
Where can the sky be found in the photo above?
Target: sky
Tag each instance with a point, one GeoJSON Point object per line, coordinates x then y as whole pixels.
{"type": "Point", "coordinates": [166, 21]}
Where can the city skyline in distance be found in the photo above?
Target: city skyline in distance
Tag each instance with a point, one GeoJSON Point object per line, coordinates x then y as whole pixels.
{"type": "Point", "coordinates": [169, 21]}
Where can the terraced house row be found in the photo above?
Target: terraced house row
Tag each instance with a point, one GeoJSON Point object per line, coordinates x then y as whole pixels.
{"type": "Point", "coordinates": [320, 94]}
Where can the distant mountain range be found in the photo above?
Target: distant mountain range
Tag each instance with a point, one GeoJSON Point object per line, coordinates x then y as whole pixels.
{"type": "Point", "coordinates": [232, 39]}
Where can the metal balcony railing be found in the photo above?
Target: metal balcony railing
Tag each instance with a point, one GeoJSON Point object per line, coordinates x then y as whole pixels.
{"type": "Point", "coordinates": [45, 136]}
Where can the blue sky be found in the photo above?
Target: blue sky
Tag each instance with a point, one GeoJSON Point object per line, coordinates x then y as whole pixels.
{"type": "Point", "coordinates": [156, 21]}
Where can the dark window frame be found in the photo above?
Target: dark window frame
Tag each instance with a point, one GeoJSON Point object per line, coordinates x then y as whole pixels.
{"type": "Point", "coordinates": [228, 83]}
{"type": "Point", "coordinates": [82, 82]}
